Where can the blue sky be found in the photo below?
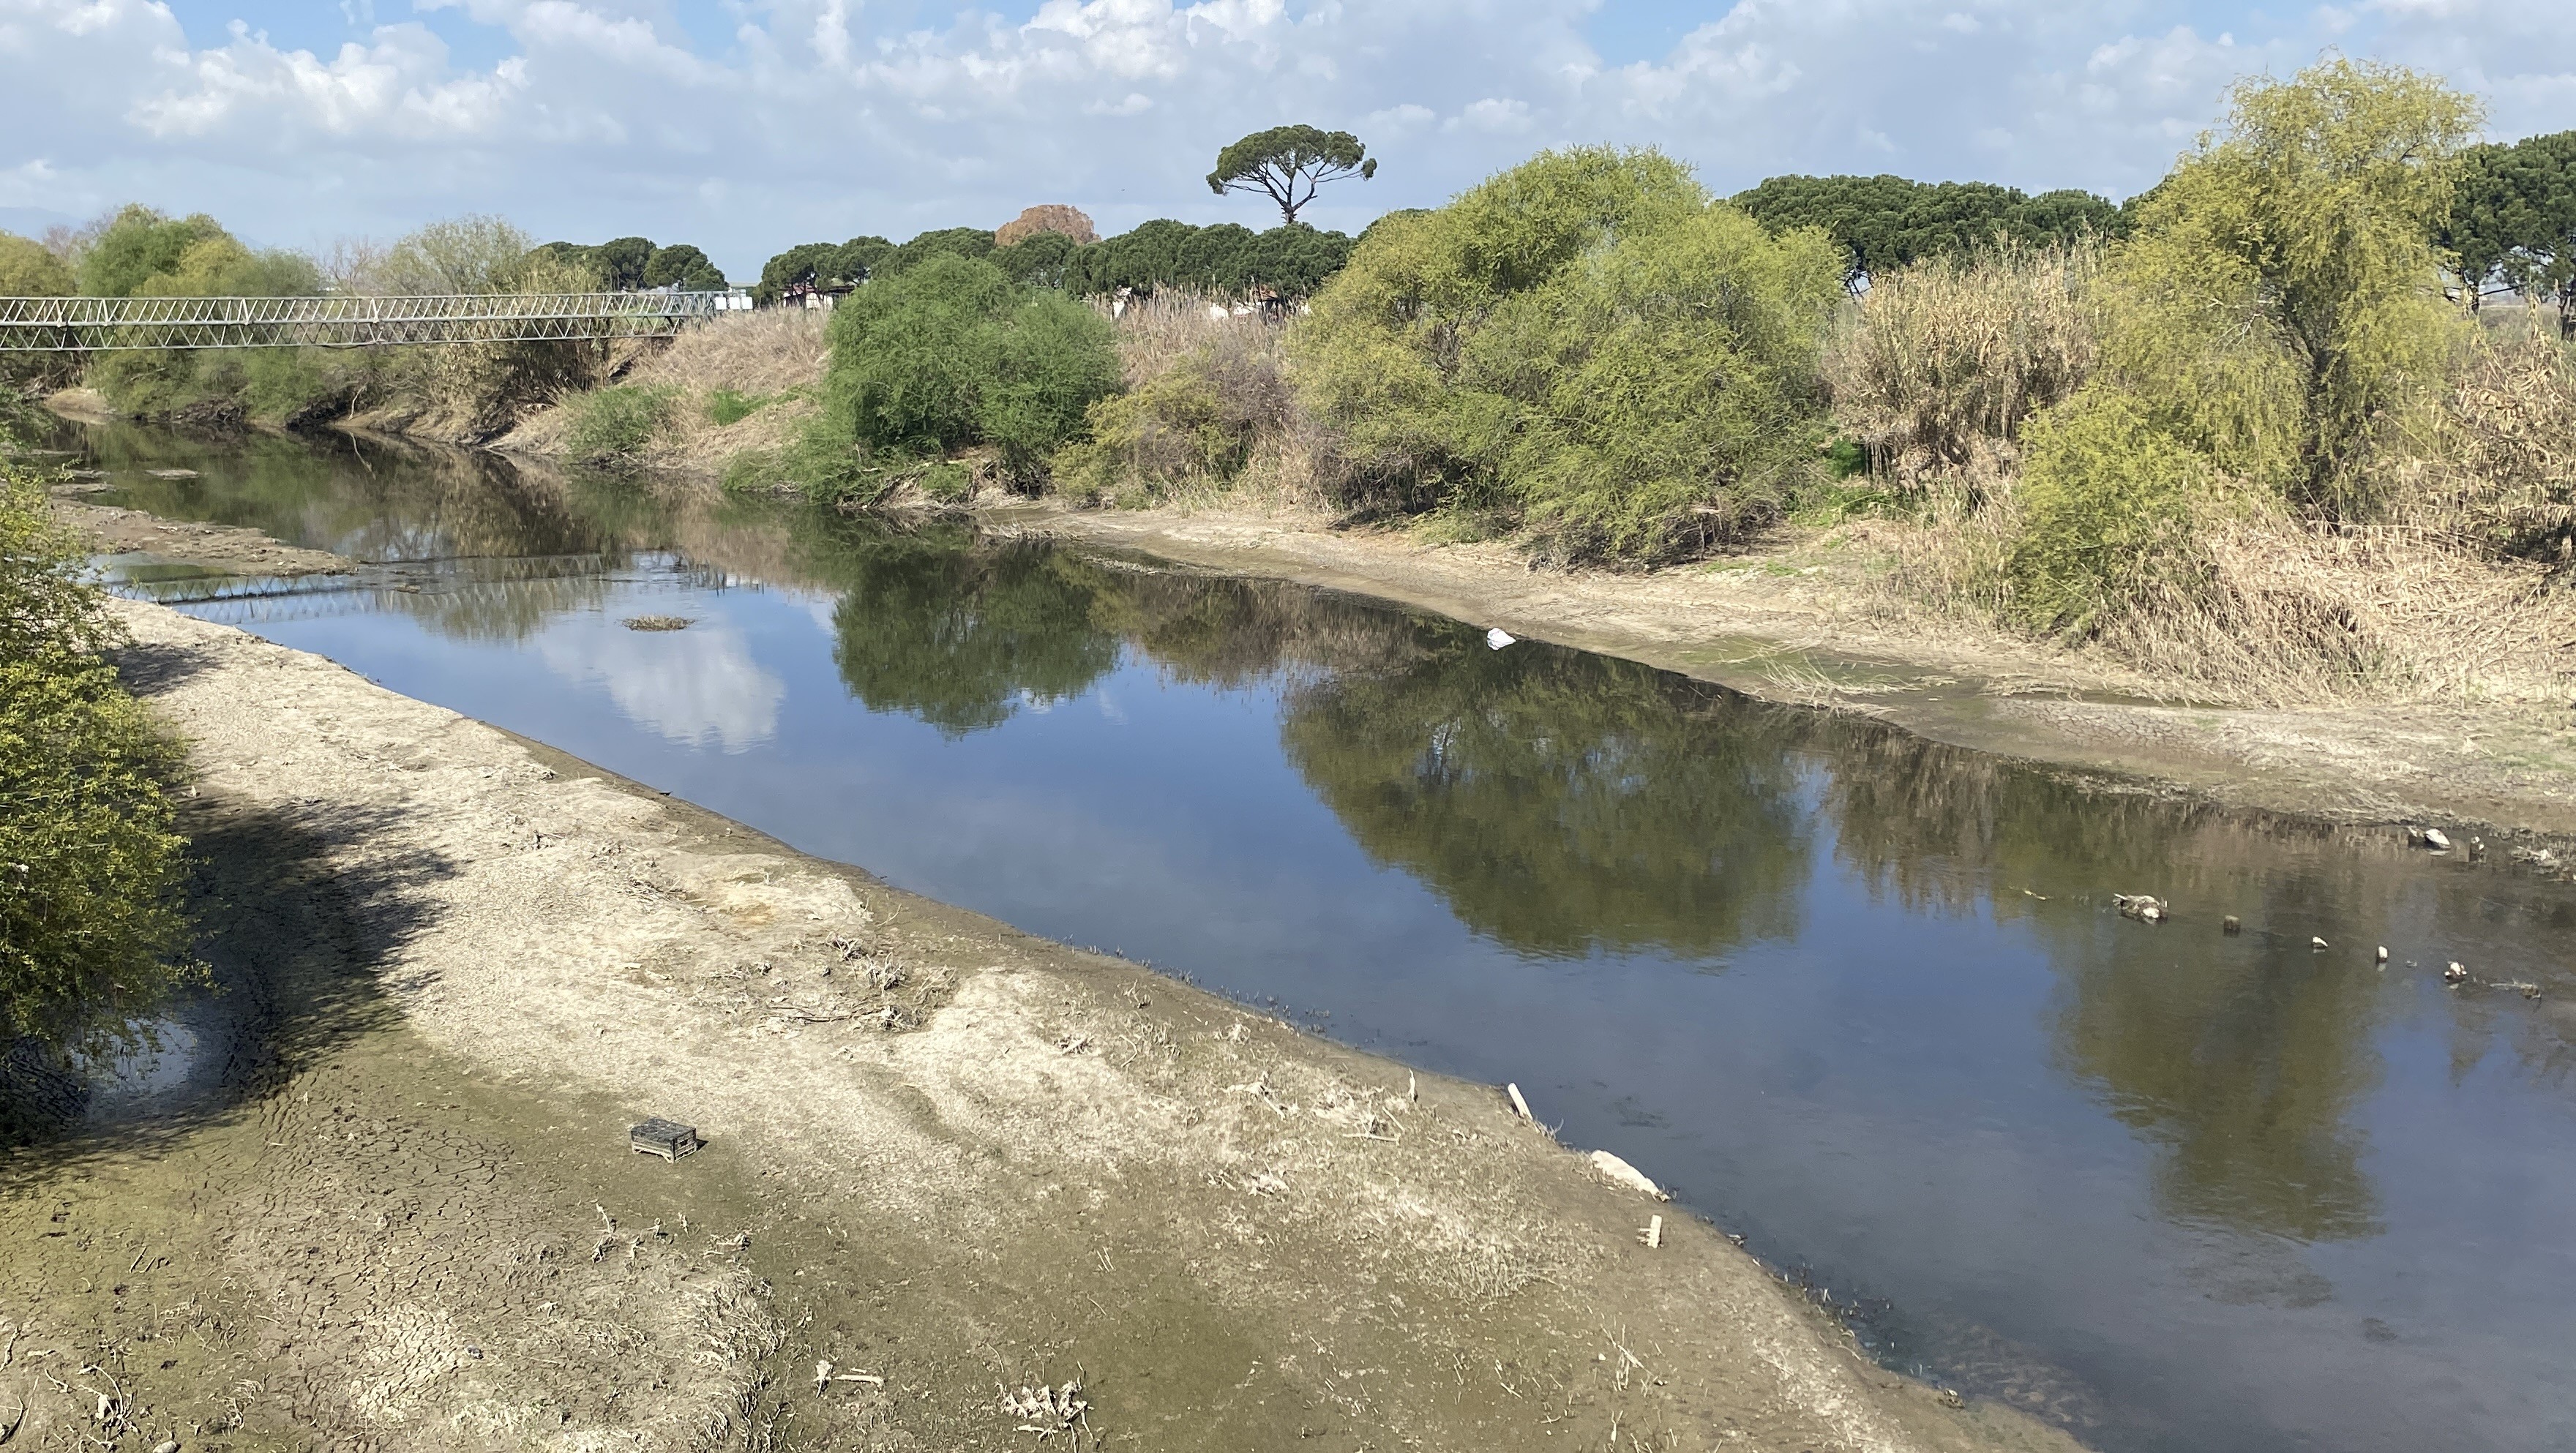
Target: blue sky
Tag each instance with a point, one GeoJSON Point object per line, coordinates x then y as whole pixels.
{"type": "Point", "coordinates": [747, 125]}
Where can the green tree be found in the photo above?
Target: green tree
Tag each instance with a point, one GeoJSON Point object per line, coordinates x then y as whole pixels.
{"type": "Point", "coordinates": [2514, 221]}
{"type": "Point", "coordinates": [137, 245]}
{"type": "Point", "coordinates": [857, 260]}
{"type": "Point", "coordinates": [620, 262]}
{"type": "Point", "coordinates": [943, 242]}
{"type": "Point", "coordinates": [473, 255]}
{"type": "Point", "coordinates": [1288, 163]}
{"type": "Point", "coordinates": [806, 262]}
{"type": "Point", "coordinates": [1038, 259]}
{"type": "Point", "coordinates": [952, 352]}
{"type": "Point", "coordinates": [27, 270]}
{"type": "Point", "coordinates": [1885, 222]}
{"type": "Point", "coordinates": [684, 267]}
{"type": "Point", "coordinates": [1586, 343]}
{"type": "Point", "coordinates": [91, 933]}
{"type": "Point", "coordinates": [2312, 213]}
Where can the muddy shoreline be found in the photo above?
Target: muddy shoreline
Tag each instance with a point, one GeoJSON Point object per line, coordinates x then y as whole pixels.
{"type": "Point", "coordinates": [951, 1160]}
{"type": "Point", "coordinates": [1785, 628]}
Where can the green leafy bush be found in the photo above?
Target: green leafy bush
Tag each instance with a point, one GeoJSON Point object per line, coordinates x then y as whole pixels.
{"type": "Point", "coordinates": [619, 422]}
{"type": "Point", "coordinates": [2108, 503]}
{"type": "Point", "coordinates": [1588, 342]}
{"type": "Point", "coordinates": [1197, 421]}
{"type": "Point", "coordinates": [952, 353]}
{"type": "Point", "coordinates": [91, 933]}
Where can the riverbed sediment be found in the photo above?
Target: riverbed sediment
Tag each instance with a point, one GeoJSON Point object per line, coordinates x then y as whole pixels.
{"type": "Point", "coordinates": [948, 1160]}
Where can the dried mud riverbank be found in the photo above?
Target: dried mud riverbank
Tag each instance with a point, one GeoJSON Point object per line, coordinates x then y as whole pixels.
{"type": "Point", "coordinates": [1787, 627]}
{"type": "Point", "coordinates": [391, 1206]}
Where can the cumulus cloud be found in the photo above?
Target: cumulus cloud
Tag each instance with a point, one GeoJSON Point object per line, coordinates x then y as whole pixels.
{"type": "Point", "coordinates": [788, 120]}
{"type": "Point", "coordinates": [698, 687]}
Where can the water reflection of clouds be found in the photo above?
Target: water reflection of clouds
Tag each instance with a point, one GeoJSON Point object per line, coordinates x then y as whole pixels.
{"type": "Point", "coordinates": [697, 686]}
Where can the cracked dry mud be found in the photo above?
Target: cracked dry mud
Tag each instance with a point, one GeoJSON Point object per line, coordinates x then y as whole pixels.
{"type": "Point", "coordinates": [456, 965]}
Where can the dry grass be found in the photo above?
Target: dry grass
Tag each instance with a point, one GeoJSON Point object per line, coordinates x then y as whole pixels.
{"type": "Point", "coordinates": [1158, 332]}
{"type": "Point", "coordinates": [1938, 368]}
{"type": "Point", "coordinates": [2297, 614]}
{"type": "Point", "coordinates": [2285, 614]}
{"type": "Point", "coordinates": [2503, 475]}
{"type": "Point", "coordinates": [772, 359]}
{"type": "Point", "coordinates": [1241, 358]}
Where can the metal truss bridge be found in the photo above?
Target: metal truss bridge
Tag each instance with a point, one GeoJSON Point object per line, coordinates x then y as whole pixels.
{"type": "Point", "coordinates": [94, 325]}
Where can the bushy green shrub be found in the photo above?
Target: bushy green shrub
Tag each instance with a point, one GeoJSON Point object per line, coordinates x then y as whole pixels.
{"type": "Point", "coordinates": [1588, 342]}
{"type": "Point", "coordinates": [1184, 424]}
{"type": "Point", "coordinates": [91, 933]}
{"type": "Point", "coordinates": [952, 353]}
{"type": "Point", "coordinates": [2108, 503]}
{"type": "Point", "coordinates": [2297, 243]}
{"type": "Point", "coordinates": [619, 422]}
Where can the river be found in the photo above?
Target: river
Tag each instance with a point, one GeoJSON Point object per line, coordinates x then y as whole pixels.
{"type": "Point", "coordinates": [1861, 999]}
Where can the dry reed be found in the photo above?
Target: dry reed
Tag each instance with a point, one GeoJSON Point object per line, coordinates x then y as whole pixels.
{"type": "Point", "coordinates": [1941, 364]}
{"type": "Point", "coordinates": [1241, 358]}
{"type": "Point", "coordinates": [2502, 475]}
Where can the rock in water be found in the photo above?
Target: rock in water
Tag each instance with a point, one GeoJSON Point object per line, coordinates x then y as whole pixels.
{"type": "Point", "coordinates": [2434, 839]}
{"type": "Point", "coordinates": [1619, 1173]}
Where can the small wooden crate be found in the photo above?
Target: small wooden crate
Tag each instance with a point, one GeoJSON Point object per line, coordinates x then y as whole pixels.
{"type": "Point", "coordinates": [668, 1139]}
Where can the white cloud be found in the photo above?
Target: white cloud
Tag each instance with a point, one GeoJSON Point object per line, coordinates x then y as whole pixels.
{"type": "Point", "coordinates": [699, 687]}
{"type": "Point", "coordinates": [823, 119]}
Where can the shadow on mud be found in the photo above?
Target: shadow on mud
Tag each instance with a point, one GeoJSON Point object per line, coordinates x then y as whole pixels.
{"type": "Point", "coordinates": [296, 930]}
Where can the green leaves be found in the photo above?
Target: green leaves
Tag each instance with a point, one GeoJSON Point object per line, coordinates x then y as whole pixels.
{"type": "Point", "coordinates": [1885, 222]}
{"type": "Point", "coordinates": [953, 352]}
{"type": "Point", "coordinates": [2513, 220]}
{"type": "Point", "coordinates": [1288, 163]}
{"type": "Point", "coordinates": [90, 870]}
{"type": "Point", "coordinates": [1586, 342]}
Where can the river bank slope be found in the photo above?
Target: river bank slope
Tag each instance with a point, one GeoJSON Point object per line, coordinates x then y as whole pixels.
{"type": "Point", "coordinates": [1790, 623]}
{"type": "Point", "coordinates": [391, 1202]}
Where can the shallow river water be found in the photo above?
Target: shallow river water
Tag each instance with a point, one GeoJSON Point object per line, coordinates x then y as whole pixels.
{"type": "Point", "coordinates": [1861, 999]}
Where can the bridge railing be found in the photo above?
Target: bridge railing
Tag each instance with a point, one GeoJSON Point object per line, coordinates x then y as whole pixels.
{"type": "Point", "coordinates": [85, 325]}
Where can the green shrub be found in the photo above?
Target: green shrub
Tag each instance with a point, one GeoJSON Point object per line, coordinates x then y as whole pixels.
{"type": "Point", "coordinates": [952, 352]}
{"type": "Point", "coordinates": [90, 872]}
{"type": "Point", "coordinates": [2293, 250]}
{"type": "Point", "coordinates": [1173, 428]}
{"type": "Point", "coordinates": [2108, 504]}
{"type": "Point", "coordinates": [1587, 341]}
{"type": "Point", "coordinates": [619, 422]}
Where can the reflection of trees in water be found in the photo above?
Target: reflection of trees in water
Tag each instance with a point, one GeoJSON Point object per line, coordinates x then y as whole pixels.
{"type": "Point", "coordinates": [959, 638]}
{"type": "Point", "coordinates": [1562, 803]}
{"type": "Point", "coordinates": [960, 631]}
{"type": "Point", "coordinates": [375, 499]}
{"type": "Point", "coordinates": [2246, 1076]}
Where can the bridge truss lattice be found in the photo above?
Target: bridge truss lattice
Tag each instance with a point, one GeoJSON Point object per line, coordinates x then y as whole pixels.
{"type": "Point", "coordinates": [92, 325]}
